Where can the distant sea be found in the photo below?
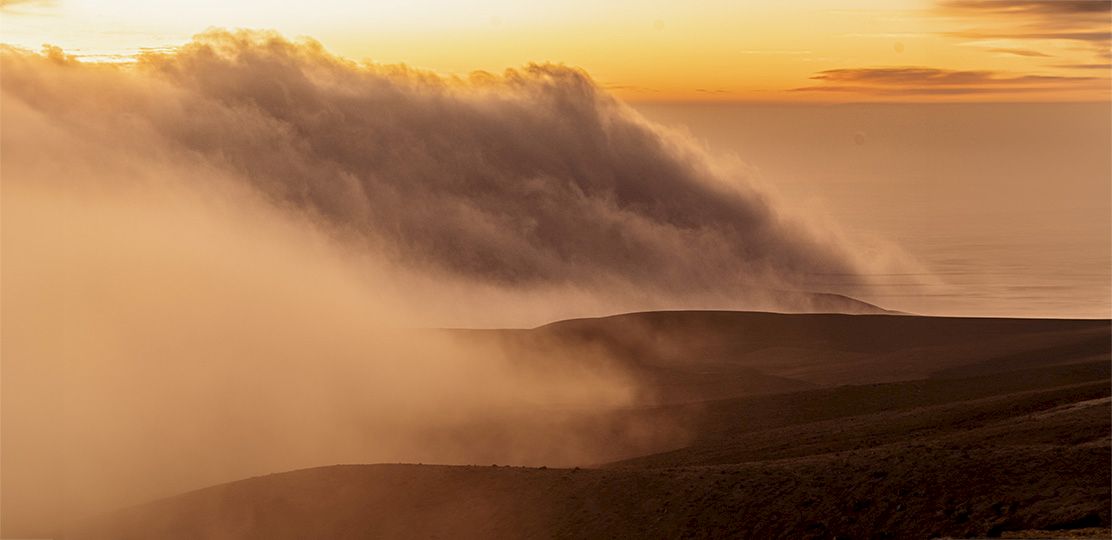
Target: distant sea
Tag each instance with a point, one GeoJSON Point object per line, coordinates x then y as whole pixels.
{"type": "Point", "coordinates": [1007, 208]}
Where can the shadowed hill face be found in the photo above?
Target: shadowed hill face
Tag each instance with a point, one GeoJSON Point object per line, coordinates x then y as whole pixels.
{"type": "Point", "coordinates": [969, 457]}
{"type": "Point", "coordinates": [489, 408]}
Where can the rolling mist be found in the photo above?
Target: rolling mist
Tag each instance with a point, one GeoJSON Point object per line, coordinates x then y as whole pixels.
{"type": "Point", "coordinates": [217, 263]}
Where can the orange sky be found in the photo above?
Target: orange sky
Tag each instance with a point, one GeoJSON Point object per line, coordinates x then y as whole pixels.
{"type": "Point", "coordinates": [654, 50]}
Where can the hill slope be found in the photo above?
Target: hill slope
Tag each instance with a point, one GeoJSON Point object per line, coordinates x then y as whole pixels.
{"type": "Point", "coordinates": [998, 426]}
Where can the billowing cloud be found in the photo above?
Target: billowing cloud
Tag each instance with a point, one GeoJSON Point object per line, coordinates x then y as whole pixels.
{"type": "Point", "coordinates": [532, 178]}
{"type": "Point", "coordinates": [207, 256]}
{"type": "Point", "coordinates": [914, 80]}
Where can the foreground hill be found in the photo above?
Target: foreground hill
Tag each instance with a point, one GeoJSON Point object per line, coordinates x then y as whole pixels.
{"type": "Point", "coordinates": [1000, 426]}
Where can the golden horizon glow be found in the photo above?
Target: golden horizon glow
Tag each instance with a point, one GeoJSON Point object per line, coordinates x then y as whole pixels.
{"type": "Point", "coordinates": [812, 51]}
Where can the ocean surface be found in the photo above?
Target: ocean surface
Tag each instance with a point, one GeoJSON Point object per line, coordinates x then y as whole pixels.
{"type": "Point", "coordinates": [1004, 209]}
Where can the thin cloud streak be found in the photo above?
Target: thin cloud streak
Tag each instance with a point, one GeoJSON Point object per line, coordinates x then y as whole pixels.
{"type": "Point", "coordinates": [1086, 21]}
{"type": "Point", "coordinates": [1019, 52]}
{"type": "Point", "coordinates": [1034, 7]}
{"type": "Point", "coordinates": [1105, 66]}
{"type": "Point", "coordinates": [5, 4]}
{"type": "Point", "coordinates": [914, 80]}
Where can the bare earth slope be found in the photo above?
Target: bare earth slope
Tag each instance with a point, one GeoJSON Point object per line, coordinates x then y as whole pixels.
{"type": "Point", "coordinates": [998, 426]}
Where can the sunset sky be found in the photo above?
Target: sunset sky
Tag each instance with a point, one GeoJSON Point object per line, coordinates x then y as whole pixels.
{"type": "Point", "coordinates": [816, 50]}
{"type": "Point", "coordinates": [240, 237]}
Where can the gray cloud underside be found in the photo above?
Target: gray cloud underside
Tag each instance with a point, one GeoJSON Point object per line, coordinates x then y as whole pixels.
{"type": "Point", "coordinates": [533, 177]}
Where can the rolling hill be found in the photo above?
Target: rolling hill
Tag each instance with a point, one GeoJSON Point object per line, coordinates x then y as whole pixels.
{"type": "Point", "coordinates": [793, 426]}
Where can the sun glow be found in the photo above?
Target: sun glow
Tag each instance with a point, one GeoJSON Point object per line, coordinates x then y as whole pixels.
{"type": "Point", "coordinates": [654, 51]}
